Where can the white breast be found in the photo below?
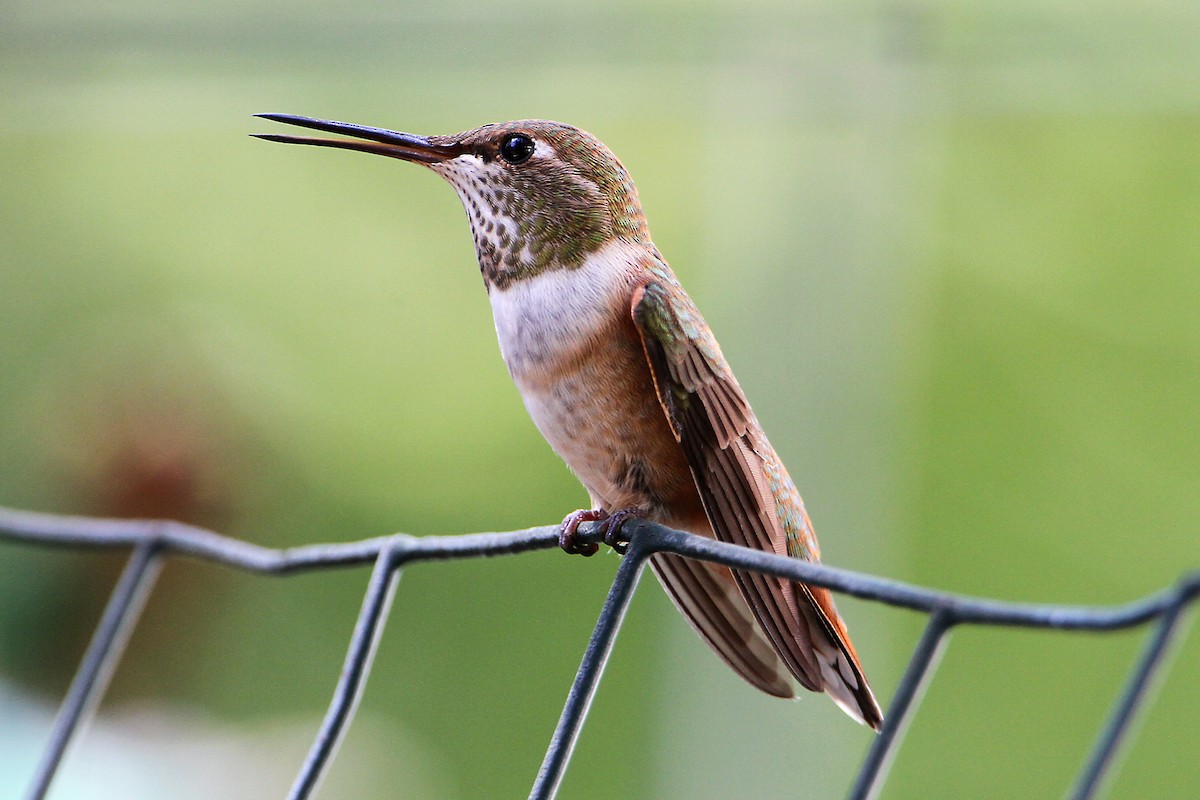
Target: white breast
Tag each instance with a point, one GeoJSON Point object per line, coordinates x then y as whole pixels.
{"type": "Point", "coordinates": [546, 316]}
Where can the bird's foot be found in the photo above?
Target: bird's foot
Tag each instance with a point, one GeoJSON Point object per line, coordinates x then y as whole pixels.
{"type": "Point", "coordinates": [568, 533]}
{"type": "Point", "coordinates": [612, 528]}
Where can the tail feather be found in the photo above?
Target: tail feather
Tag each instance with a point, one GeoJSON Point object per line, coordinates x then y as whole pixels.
{"type": "Point", "coordinates": [841, 673]}
{"type": "Point", "coordinates": [709, 599]}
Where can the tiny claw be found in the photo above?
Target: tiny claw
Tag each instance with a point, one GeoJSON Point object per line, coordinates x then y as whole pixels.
{"type": "Point", "coordinates": [612, 528]}
{"type": "Point", "coordinates": [568, 533]}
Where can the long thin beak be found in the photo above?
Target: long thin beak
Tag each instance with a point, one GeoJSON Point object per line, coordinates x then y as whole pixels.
{"type": "Point", "coordinates": [380, 141]}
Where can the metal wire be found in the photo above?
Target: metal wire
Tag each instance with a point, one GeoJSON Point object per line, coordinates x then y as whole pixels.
{"type": "Point", "coordinates": [153, 541]}
{"type": "Point", "coordinates": [587, 679]}
{"type": "Point", "coordinates": [908, 694]}
{"type": "Point", "coordinates": [100, 661]}
{"type": "Point", "coordinates": [363, 646]}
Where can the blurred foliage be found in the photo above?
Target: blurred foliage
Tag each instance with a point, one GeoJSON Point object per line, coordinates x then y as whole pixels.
{"type": "Point", "coordinates": [951, 251]}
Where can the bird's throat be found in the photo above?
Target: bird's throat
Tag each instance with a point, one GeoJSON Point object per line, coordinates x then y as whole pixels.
{"type": "Point", "coordinates": [547, 317]}
{"type": "Point", "coordinates": [517, 237]}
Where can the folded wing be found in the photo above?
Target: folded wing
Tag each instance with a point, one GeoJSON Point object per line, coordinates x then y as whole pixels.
{"type": "Point", "coordinates": [747, 495]}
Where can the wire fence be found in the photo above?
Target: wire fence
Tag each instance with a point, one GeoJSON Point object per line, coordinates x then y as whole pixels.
{"type": "Point", "coordinates": [151, 542]}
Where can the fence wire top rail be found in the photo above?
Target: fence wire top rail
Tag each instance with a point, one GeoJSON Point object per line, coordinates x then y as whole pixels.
{"type": "Point", "coordinates": [151, 541]}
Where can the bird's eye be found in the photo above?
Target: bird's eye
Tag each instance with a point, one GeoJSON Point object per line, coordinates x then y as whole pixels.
{"type": "Point", "coordinates": [516, 148]}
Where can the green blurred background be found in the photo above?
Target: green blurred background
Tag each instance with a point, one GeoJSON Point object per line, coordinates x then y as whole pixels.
{"type": "Point", "coordinates": [953, 253]}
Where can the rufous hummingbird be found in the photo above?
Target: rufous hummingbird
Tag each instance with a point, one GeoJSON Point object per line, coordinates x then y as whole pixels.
{"type": "Point", "coordinates": [625, 380]}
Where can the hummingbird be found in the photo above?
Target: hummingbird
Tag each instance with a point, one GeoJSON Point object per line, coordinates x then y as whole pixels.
{"type": "Point", "coordinates": [626, 382]}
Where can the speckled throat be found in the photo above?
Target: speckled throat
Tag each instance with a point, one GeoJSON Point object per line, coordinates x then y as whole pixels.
{"type": "Point", "coordinates": [570, 199]}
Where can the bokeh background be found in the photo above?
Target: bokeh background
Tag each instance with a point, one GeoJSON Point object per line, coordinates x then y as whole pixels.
{"type": "Point", "coordinates": [952, 251]}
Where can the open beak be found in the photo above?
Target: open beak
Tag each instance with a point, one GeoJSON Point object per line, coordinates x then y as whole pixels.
{"type": "Point", "coordinates": [405, 146]}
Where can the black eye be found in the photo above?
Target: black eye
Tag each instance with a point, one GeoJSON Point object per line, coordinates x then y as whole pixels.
{"type": "Point", "coordinates": [516, 148]}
